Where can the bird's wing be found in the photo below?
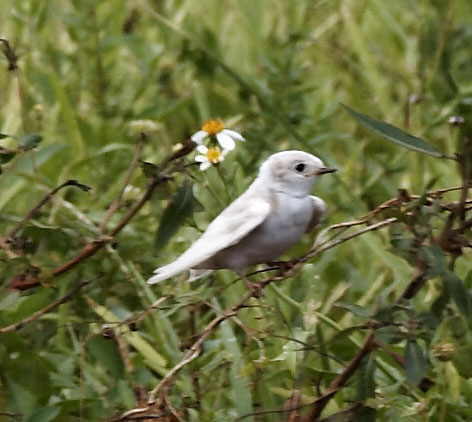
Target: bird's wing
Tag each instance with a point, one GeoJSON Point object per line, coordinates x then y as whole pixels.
{"type": "Point", "coordinates": [318, 212]}
{"type": "Point", "coordinates": [235, 222]}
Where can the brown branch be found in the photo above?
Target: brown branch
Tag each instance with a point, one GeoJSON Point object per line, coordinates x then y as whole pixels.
{"type": "Point", "coordinates": [45, 199]}
{"type": "Point", "coordinates": [91, 248]}
{"type": "Point", "coordinates": [19, 324]}
{"type": "Point", "coordinates": [418, 280]}
{"type": "Point", "coordinates": [341, 379]}
{"type": "Point", "coordinates": [9, 54]}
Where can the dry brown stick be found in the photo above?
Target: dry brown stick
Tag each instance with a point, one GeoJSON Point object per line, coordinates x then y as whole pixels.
{"type": "Point", "coordinates": [45, 199]}
{"type": "Point", "coordinates": [341, 379]}
{"type": "Point", "coordinates": [19, 324]}
{"type": "Point", "coordinates": [91, 248]}
{"type": "Point", "coordinates": [132, 167]}
{"type": "Point", "coordinates": [10, 55]}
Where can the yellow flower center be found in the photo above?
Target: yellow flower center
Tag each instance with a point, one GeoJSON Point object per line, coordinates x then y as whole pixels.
{"type": "Point", "coordinates": [213, 155]}
{"type": "Point", "coordinates": [212, 127]}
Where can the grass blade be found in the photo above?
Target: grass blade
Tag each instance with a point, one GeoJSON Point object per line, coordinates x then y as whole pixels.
{"type": "Point", "coordinates": [395, 134]}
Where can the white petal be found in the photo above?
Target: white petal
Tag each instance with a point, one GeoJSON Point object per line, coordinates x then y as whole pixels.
{"type": "Point", "coordinates": [205, 165]}
{"type": "Point", "coordinates": [224, 152]}
{"type": "Point", "coordinates": [225, 141]}
{"type": "Point", "coordinates": [233, 134]}
{"type": "Point", "coordinates": [199, 136]}
{"type": "Point", "coordinates": [201, 158]}
{"type": "Point", "coordinates": [202, 149]}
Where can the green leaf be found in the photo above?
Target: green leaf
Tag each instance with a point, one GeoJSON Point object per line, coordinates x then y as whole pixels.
{"type": "Point", "coordinates": [365, 380]}
{"type": "Point", "coordinates": [415, 362]}
{"type": "Point", "coordinates": [45, 414]}
{"type": "Point", "coordinates": [355, 309]}
{"type": "Point", "coordinates": [125, 394]}
{"type": "Point", "coordinates": [459, 293]}
{"type": "Point", "coordinates": [21, 398]}
{"type": "Point", "coordinates": [434, 258]}
{"type": "Point", "coordinates": [395, 134]}
{"type": "Point", "coordinates": [30, 141]}
{"type": "Point", "coordinates": [453, 381]}
{"type": "Point", "coordinates": [441, 301]}
{"type": "Point", "coordinates": [71, 125]}
{"type": "Point", "coordinates": [107, 355]}
{"type": "Point", "coordinates": [174, 216]}
{"type": "Point", "coordinates": [241, 391]}
{"type": "Point", "coordinates": [389, 334]}
{"type": "Point", "coordinates": [462, 361]}
{"type": "Point", "coordinates": [152, 358]}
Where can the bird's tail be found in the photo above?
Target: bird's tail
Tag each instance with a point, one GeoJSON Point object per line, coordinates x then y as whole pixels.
{"type": "Point", "coordinates": [165, 272]}
{"type": "Point", "coordinates": [184, 263]}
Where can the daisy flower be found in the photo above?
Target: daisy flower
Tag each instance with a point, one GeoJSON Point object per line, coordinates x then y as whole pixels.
{"type": "Point", "coordinates": [215, 127]}
{"type": "Point", "coordinates": [209, 156]}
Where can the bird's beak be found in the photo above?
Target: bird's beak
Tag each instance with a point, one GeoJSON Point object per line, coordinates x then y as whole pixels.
{"type": "Point", "coordinates": [322, 170]}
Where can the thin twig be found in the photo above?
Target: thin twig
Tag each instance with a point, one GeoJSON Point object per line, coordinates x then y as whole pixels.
{"type": "Point", "coordinates": [9, 54]}
{"type": "Point", "coordinates": [19, 324]}
{"type": "Point", "coordinates": [341, 379]}
{"type": "Point", "coordinates": [91, 248]}
{"type": "Point", "coordinates": [45, 199]}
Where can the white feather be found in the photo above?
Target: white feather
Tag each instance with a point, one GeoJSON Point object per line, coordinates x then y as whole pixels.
{"type": "Point", "coordinates": [235, 222]}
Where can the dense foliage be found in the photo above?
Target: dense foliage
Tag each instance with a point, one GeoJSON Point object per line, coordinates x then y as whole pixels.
{"type": "Point", "coordinates": [98, 186]}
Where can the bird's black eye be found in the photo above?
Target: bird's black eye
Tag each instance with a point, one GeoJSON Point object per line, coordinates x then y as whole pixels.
{"type": "Point", "coordinates": [300, 167]}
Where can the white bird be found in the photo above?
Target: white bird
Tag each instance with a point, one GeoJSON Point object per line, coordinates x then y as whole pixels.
{"type": "Point", "coordinates": [259, 226]}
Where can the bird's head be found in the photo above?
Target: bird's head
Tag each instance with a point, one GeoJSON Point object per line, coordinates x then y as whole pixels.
{"type": "Point", "coordinates": [293, 172]}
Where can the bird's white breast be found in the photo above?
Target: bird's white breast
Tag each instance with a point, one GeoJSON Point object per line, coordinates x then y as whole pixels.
{"type": "Point", "coordinates": [284, 226]}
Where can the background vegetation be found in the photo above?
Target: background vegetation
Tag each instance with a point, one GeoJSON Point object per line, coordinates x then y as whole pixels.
{"type": "Point", "coordinates": [84, 338]}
